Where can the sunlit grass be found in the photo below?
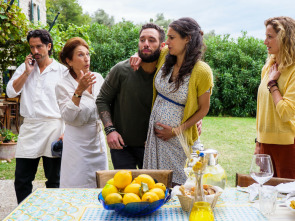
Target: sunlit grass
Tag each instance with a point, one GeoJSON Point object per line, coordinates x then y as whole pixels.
{"type": "Point", "coordinates": [234, 140]}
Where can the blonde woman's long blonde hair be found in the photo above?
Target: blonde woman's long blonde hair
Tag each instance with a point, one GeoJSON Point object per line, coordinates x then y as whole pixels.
{"type": "Point", "coordinates": [285, 29]}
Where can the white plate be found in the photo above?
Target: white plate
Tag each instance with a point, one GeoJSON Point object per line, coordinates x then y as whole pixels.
{"type": "Point", "coordinates": [286, 187]}
{"type": "Point", "coordinates": [288, 202]}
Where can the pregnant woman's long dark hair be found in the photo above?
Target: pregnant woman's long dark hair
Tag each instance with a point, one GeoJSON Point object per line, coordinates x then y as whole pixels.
{"type": "Point", "coordinates": [186, 27]}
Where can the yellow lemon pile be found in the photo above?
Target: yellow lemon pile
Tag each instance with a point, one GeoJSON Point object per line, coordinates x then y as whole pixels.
{"type": "Point", "coordinates": [122, 189]}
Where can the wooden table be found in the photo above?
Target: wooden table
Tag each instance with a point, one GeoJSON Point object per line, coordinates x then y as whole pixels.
{"type": "Point", "coordinates": [82, 204]}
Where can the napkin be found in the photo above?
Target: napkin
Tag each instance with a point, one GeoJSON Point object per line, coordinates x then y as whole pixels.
{"type": "Point", "coordinates": [253, 190]}
{"type": "Point", "coordinates": [175, 191]}
{"type": "Point", "coordinates": [286, 187]}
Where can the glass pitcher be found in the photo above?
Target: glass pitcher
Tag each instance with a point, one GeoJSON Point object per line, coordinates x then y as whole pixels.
{"type": "Point", "coordinates": [214, 174]}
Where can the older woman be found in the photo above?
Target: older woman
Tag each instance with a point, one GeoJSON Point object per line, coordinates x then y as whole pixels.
{"type": "Point", "coordinates": [182, 90]}
{"type": "Point", "coordinates": [276, 97]}
{"type": "Point", "coordinates": [84, 146]}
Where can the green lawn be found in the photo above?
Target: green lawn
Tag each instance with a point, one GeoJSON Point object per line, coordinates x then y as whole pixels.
{"type": "Point", "coordinates": [232, 137]}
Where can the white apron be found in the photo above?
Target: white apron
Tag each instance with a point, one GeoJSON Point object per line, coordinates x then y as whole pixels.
{"type": "Point", "coordinates": [84, 153]}
{"type": "Point", "coordinates": [36, 135]}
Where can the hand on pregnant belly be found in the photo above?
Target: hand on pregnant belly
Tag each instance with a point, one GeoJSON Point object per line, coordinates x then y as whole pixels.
{"type": "Point", "coordinates": [165, 133]}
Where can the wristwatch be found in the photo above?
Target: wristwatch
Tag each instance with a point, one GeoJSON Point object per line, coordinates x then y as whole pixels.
{"type": "Point", "coordinates": [76, 95]}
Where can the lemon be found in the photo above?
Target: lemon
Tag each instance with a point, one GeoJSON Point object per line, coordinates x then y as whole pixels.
{"type": "Point", "coordinates": [111, 181]}
{"type": "Point", "coordinates": [131, 198]}
{"type": "Point", "coordinates": [160, 185]}
{"type": "Point", "coordinates": [122, 179]}
{"type": "Point", "coordinates": [132, 188]}
{"type": "Point", "coordinates": [159, 192]}
{"type": "Point", "coordinates": [145, 179]}
{"type": "Point", "coordinates": [113, 198]}
{"type": "Point", "coordinates": [150, 197]}
{"type": "Point", "coordinates": [108, 189]}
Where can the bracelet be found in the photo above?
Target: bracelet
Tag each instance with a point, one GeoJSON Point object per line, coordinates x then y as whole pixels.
{"type": "Point", "coordinates": [269, 87]}
{"type": "Point", "coordinates": [272, 82]}
{"type": "Point", "coordinates": [173, 131]}
{"type": "Point", "coordinates": [274, 90]}
{"type": "Point", "coordinates": [26, 73]}
{"type": "Point", "coordinates": [78, 96]}
{"type": "Point", "coordinates": [109, 129]}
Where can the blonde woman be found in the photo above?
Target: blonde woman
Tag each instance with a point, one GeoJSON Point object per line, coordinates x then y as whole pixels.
{"type": "Point", "coordinates": [276, 97]}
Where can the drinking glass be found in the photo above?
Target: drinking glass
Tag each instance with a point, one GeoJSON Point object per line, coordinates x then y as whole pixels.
{"type": "Point", "coordinates": [261, 171]}
{"type": "Point", "coordinates": [261, 168]}
{"type": "Point", "coordinates": [268, 200]}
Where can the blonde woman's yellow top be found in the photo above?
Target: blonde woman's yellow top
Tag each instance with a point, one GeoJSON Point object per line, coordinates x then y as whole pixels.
{"type": "Point", "coordinates": [276, 124]}
{"type": "Point", "coordinates": [201, 80]}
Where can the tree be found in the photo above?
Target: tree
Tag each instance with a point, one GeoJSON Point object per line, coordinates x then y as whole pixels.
{"type": "Point", "coordinates": [70, 12]}
{"type": "Point", "coordinates": [13, 31]}
{"type": "Point", "coordinates": [101, 17]}
{"type": "Point", "coordinates": [161, 21]}
{"type": "Point", "coordinates": [112, 44]}
{"type": "Point", "coordinates": [209, 34]}
{"type": "Point", "coordinates": [236, 66]}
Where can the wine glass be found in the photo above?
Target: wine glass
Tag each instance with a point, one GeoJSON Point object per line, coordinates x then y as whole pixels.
{"type": "Point", "coordinates": [261, 168]}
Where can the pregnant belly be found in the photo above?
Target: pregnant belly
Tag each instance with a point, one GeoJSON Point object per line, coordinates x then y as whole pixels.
{"type": "Point", "coordinates": [167, 113]}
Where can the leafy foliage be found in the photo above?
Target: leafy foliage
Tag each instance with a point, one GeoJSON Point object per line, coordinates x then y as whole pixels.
{"type": "Point", "coordinates": [70, 12]}
{"type": "Point", "coordinates": [7, 136]}
{"type": "Point", "coordinates": [60, 35]}
{"type": "Point", "coordinates": [112, 44]}
{"type": "Point", "coordinates": [13, 30]}
{"type": "Point", "coordinates": [236, 63]}
{"type": "Point", "coordinates": [236, 68]}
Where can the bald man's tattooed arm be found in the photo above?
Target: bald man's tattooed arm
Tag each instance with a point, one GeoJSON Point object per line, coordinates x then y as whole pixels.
{"type": "Point", "coordinates": [106, 119]}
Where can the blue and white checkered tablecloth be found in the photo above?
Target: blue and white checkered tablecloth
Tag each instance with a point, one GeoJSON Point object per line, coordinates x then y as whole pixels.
{"type": "Point", "coordinates": [82, 204]}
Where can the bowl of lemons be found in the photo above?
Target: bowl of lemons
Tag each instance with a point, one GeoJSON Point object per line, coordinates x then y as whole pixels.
{"type": "Point", "coordinates": [133, 198]}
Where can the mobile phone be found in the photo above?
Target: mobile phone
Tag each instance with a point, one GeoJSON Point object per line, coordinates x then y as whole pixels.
{"type": "Point", "coordinates": [32, 61]}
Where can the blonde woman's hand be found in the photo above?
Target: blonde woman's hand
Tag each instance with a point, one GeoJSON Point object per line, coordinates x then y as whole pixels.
{"type": "Point", "coordinates": [274, 73]}
{"type": "Point", "coordinates": [85, 81]}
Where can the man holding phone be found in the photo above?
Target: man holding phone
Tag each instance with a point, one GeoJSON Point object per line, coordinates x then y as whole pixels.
{"type": "Point", "coordinates": [35, 81]}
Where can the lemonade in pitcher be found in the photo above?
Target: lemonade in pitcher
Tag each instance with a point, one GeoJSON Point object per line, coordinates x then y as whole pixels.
{"type": "Point", "coordinates": [201, 211]}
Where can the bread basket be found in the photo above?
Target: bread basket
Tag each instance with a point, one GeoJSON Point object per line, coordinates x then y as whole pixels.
{"type": "Point", "coordinates": [186, 201]}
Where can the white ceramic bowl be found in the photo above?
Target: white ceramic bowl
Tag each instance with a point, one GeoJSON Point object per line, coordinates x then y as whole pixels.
{"type": "Point", "coordinates": [288, 202]}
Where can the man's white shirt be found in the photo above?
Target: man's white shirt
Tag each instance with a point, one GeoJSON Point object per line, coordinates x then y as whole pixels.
{"type": "Point", "coordinates": [38, 105]}
{"type": "Point", "coordinates": [38, 98]}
